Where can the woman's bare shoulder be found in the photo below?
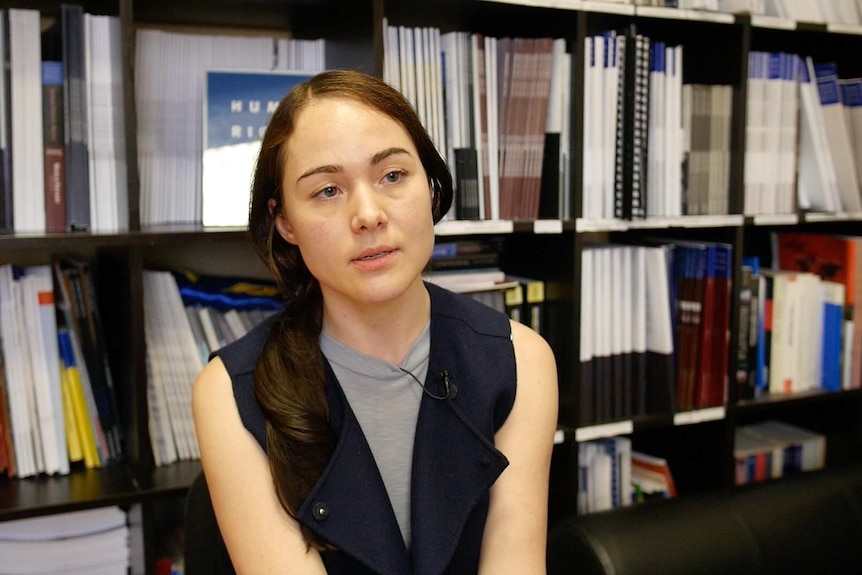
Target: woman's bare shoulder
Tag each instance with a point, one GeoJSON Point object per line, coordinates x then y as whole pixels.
{"type": "Point", "coordinates": [260, 535]}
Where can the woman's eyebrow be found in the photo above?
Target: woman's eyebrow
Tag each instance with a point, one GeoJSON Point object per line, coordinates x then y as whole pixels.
{"type": "Point", "coordinates": [380, 156]}
{"type": "Point", "coordinates": [335, 168]}
{"type": "Point", "coordinates": [327, 169]}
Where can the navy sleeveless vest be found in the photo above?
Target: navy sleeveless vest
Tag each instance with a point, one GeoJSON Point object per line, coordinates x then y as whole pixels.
{"type": "Point", "coordinates": [454, 460]}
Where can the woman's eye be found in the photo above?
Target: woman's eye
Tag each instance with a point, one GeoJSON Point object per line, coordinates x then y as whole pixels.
{"type": "Point", "coordinates": [328, 192]}
{"type": "Point", "coordinates": [393, 177]}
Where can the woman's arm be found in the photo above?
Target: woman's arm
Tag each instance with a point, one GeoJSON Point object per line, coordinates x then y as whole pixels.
{"type": "Point", "coordinates": [259, 534]}
{"type": "Point", "coordinates": [516, 529]}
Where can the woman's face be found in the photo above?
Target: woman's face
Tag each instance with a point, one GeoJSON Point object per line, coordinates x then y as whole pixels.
{"type": "Point", "coordinates": [357, 202]}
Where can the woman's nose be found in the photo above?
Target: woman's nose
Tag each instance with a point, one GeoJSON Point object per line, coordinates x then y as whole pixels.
{"type": "Point", "coordinates": [368, 210]}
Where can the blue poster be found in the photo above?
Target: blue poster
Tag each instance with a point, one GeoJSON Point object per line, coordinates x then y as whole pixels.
{"type": "Point", "coordinates": [237, 109]}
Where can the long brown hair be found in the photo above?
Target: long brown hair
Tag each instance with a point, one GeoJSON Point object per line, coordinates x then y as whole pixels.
{"type": "Point", "coordinates": [289, 376]}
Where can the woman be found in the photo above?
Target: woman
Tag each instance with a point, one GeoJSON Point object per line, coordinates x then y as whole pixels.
{"type": "Point", "coordinates": [378, 425]}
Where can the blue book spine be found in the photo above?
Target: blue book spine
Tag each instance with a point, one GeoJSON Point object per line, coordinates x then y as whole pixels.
{"type": "Point", "coordinates": [776, 61]}
{"type": "Point", "coordinates": [830, 372]}
{"type": "Point", "coordinates": [826, 75]}
{"type": "Point", "coordinates": [761, 383]}
{"type": "Point", "coordinates": [444, 250]}
{"type": "Point", "coordinates": [610, 447]}
{"type": "Point", "coordinates": [851, 92]}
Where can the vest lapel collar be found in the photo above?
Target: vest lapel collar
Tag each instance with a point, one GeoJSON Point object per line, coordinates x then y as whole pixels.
{"type": "Point", "coordinates": [349, 506]}
{"type": "Point", "coordinates": [454, 464]}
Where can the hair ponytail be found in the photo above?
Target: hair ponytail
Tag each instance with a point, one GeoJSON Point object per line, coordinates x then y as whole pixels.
{"type": "Point", "coordinates": [290, 384]}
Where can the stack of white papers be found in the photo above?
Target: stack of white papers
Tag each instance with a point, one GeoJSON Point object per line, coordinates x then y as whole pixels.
{"type": "Point", "coordinates": [95, 542]}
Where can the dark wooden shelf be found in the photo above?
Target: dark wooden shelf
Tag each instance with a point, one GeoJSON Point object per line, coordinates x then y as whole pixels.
{"type": "Point", "coordinates": [90, 488]}
{"type": "Point", "coordinates": [64, 241]}
{"type": "Point", "coordinates": [771, 402]}
{"type": "Point", "coordinates": [167, 481]}
{"type": "Point", "coordinates": [81, 489]}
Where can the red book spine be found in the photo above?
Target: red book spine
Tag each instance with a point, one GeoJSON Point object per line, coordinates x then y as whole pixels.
{"type": "Point", "coordinates": [53, 139]}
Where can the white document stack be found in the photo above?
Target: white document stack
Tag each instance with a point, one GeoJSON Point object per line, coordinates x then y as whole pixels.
{"type": "Point", "coordinates": [92, 542]}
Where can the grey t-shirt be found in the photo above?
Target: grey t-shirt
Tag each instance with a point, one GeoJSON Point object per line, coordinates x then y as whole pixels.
{"type": "Point", "coordinates": [386, 403]}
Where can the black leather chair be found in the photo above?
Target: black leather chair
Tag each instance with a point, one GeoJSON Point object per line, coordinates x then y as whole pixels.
{"type": "Point", "coordinates": [205, 553]}
{"type": "Point", "coordinates": [807, 524]}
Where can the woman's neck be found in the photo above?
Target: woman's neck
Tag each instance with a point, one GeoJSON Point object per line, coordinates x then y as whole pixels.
{"type": "Point", "coordinates": [387, 330]}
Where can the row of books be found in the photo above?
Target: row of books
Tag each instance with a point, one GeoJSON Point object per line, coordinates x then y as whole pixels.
{"type": "Point", "coordinates": [653, 146]}
{"type": "Point", "coordinates": [800, 322]}
{"type": "Point", "coordinates": [93, 541]}
{"type": "Point", "coordinates": [774, 449]}
{"type": "Point", "coordinates": [771, 133]}
{"type": "Point", "coordinates": [187, 318]}
{"type": "Point", "coordinates": [612, 475]}
{"type": "Point", "coordinates": [662, 180]}
{"type": "Point", "coordinates": [828, 11]}
{"type": "Point", "coordinates": [838, 11]}
{"type": "Point", "coordinates": [830, 139]}
{"type": "Point", "coordinates": [472, 267]}
{"type": "Point", "coordinates": [604, 89]}
{"type": "Point", "coordinates": [57, 400]}
{"type": "Point", "coordinates": [714, 5]}
{"type": "Point", "coordinates": [497, 109]}
{"type": "Point", "coordinates": [61, 110]}
{"type": "Point", "coordinates": [521, 298]}
{"type": "Point", "coordinates": [170, 82]}
{"type": "Point", "coordinates": [803, 136]}
{"type": "Point", "coordinates": [654, 328]}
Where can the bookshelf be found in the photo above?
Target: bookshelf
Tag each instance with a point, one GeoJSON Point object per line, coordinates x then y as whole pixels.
{"type": "Point", "coordinates": [698, 444]}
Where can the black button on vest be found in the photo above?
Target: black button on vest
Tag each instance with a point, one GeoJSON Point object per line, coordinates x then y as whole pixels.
{"type": "Point", "coordinates": [320, 511]}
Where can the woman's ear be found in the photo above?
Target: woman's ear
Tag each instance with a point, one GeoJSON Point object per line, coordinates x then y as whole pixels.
{"type": "Point", "coordinates": [282, 225]}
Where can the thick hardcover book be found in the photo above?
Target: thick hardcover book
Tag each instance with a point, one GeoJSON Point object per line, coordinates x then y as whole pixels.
{"type": "Point", "coordinates": [715, 391]}
{"type": "Point", "coordinates": [75, 118]}
{"type": "Point", "coordinates": [237, 109]}
{"type": "Point", "coordinates": [54, 143]}
{"type": "Point", "coordinates": [706, 357]}
{"type": "Point", "coordinates": [691, 270]}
